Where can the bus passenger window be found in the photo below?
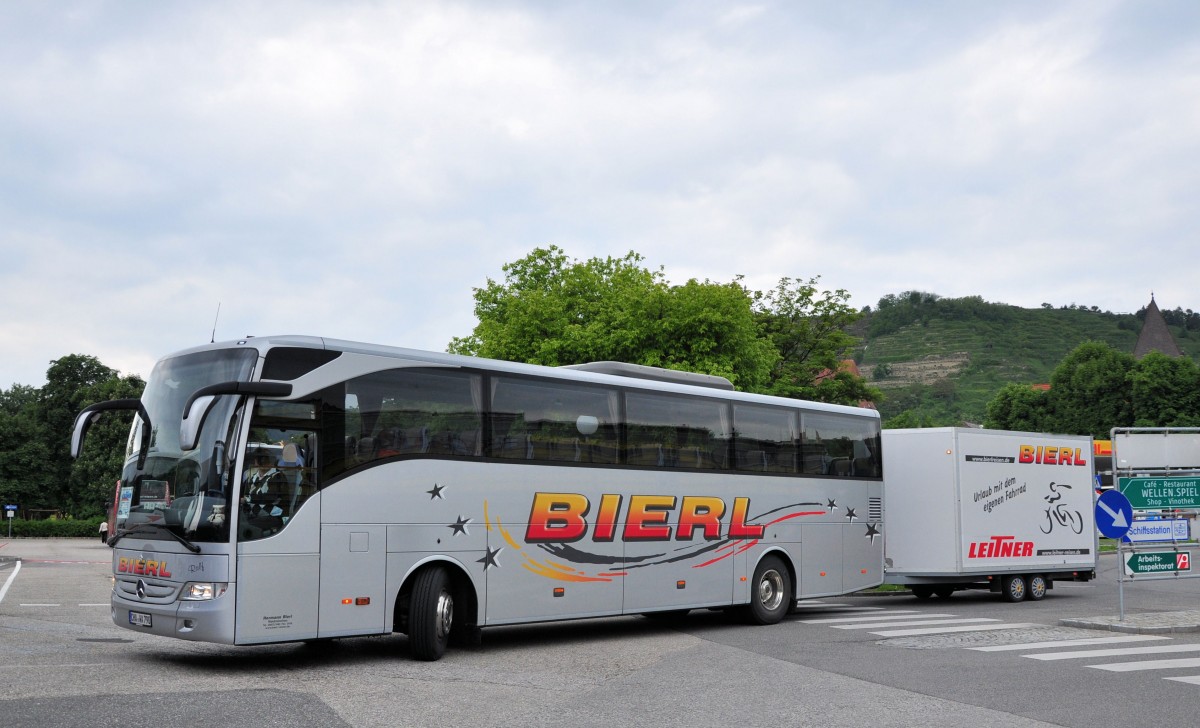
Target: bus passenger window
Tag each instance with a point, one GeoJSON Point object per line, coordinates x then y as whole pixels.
{"type": "Point", "coordinates": [840, 445]}
{"type": "Point", "coordinates": [547, 421]}
{"type": "Point", "coordinates": [669, 431]}
{"type": "Point", "coordinates": [765, 438]}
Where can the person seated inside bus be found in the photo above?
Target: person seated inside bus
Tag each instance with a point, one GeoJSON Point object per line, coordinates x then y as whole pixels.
{"type": "Point", "coordinates": [263, 490]}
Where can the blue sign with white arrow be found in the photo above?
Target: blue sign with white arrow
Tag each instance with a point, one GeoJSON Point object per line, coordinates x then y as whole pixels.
{"type": "Point", "coordinates": [1114, 514]}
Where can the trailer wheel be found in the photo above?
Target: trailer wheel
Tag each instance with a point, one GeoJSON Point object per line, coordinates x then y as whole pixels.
{"type": "Point", "coordinates": [1037, 587]}
{"type": "Point", "coordinates": [1014, 588]}
{"type": "Point", "coordinates": [431, 614]}
{"type": "Point", "coordinates": [771, 592]}
{"type": "Point", "coordinates": [921, 591]}
{"type": "Point", "coordinates": [944, 591]}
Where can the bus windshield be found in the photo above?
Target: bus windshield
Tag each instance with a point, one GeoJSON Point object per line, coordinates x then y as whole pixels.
{"type": "Point", "coordinates": [188, 493]}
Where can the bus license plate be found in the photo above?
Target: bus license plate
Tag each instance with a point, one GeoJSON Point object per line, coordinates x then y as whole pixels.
{"type": "Point", "coordinates": [139, 619]}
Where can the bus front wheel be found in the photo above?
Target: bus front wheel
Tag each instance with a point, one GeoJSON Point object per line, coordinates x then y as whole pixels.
{"type": "Point", "coordinates": [770, 593]}
{"type": "Point", "coordinates": [431, 614]}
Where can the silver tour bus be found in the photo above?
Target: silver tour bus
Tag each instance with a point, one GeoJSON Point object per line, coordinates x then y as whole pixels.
{"type": "Point", "coordinates": [323, 489]}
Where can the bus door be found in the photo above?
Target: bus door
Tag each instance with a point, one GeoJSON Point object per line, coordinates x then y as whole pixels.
{"type": "Point", "coordinates": [353, 562]}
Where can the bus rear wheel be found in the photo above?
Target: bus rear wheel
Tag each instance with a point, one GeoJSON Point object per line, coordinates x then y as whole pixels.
{"type": "Point", "coordinates": [431, 614]}
{"type": "Point", "coordinates": [770, 593]}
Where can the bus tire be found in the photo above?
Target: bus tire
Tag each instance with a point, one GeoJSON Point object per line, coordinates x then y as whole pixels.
{"type": "Point", "coordinates": [771, 592]}
{"type": "Point", "coordinates": [431, 614]}
{"type": "Point", "coordinates": [1037, 587]}
{"type": "Point", "coordinates": [1014, 588]}
{"type": "Point", "coordinates": [921, 591]}
{"type": "Point", "coordinates": [944, 591]}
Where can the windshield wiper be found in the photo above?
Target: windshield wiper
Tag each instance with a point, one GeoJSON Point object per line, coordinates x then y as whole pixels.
{"type": "Point", "coordinates": [156, 527]}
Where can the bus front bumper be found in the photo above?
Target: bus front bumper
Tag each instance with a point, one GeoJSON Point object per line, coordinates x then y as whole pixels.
{"type": "Point", "coordinates": [210, 620]}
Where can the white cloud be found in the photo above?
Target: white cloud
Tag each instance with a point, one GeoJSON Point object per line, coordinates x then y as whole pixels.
{"type": "Point", "coordinates": [353, 170]}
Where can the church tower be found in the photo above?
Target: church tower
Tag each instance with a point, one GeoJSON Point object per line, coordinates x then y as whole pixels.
{"type": "Point", "coordinates": [1155, 336]}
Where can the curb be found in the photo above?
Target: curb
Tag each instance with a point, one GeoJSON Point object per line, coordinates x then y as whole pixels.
{"type": "Point", "coordinates": [1114, 624]}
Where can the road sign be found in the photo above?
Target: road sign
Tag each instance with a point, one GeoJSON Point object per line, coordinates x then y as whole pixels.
{"type": "Point", "coordinates": [1114, 514]}
{"type": "Point", "coordinates": [1157, 562]}
{"type": "Point", "coordinates": [1146, 493]}
{"type": "Point", "coordinates": [10, 508]}
{"type": "Point", "coordinates": [1158, 529]}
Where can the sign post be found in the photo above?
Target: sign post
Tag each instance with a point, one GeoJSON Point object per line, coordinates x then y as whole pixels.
{"type": "Point", "coordinates": [1114, 517]}
{"type": "Point", "coordinates": [10, 511]}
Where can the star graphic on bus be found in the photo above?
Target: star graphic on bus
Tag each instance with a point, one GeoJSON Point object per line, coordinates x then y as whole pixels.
{"type": "Point", "coordinates": [436, 492]}
{"type": "Point", "coordinates": [872, 532]}
{"type": "Point", "coordinates": [459, 526]}
{"type": "Point", "coordinates": [489, 558]}
{"type": "Point", "coordinates": [831, 505]}
{"type": "Point", "coordinates": [850, 514]}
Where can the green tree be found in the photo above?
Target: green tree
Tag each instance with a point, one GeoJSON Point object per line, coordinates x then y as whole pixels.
{"type": "Point", "coordinates": [1165, 392]}
{"type": "Point", "coordinates": [908, 419]}
{"type": "Point", "coordinates": [36, 469]}
{"type": "Point", "coordinates": [554, 311]}
{"type": "Point", "coordinates": [1018, 407]}
{"type": "Point", "coordinates": [808, 329]}
{"type": "Point", "coordinates": [24, 477]}
{"type": "Point", "coordinates": [1089, 392]}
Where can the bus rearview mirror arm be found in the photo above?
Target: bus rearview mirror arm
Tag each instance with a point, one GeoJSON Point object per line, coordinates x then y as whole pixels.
{"type": "Point", "coordinates": [91, 414]}
{"type": "Point", "coordinates": [202, 400]}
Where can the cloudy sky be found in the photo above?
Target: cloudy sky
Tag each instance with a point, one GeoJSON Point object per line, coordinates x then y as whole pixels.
{"type": "Point", "coordinates": [354, 169]}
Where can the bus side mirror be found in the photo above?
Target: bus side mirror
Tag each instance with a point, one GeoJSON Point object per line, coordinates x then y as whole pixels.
{"type": "Point", "coordinates": [89, 415]}
{"type": "Point", "coordinates": [202, 400]}
{"type": "Point", "coordinates": [193, 420]}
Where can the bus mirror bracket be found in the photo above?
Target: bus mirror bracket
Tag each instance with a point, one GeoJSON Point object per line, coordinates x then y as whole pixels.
{"type": "Point", "coordinates": [202, 400]}
{"type": "Point", "coordinates": [91, 414]}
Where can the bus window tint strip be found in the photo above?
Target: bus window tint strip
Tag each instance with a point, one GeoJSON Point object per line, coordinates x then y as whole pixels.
{"type": "Point", "coordinates": [417, 412]}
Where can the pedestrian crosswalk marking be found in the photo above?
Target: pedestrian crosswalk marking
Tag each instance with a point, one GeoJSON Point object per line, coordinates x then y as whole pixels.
{"type": "Point", "coordinates": [887, 623]}
{"type": "Point", "coordinates": [873, 618]}
{"type": "Point", "coordinates": [1114, 652]}
{"type": "Point", "coordinates": [916, 623]}
{"type": "Point", "coordinates": [1069, 643]}
{"type": "Point", "coordinates": [963, 628]}
{"type": "Point", "coordinates": [1149, 665]}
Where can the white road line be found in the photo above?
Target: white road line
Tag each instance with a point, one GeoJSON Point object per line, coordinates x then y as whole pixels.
{"type": "Point", "coordinates": [1070, 643]}
{"type": "Point", "coordinates": [915, 623]}
{"type": "Point", "coordinates": [874, 617]}
{"type": "Point", "coordinates": [97, 604]}
{"type": "Point", "coordinates": [40, 605]}
{"type": "Point", "coordinates": [1191, 679]}
{"type": "Point", "coordinates": [1114, 652]}
{"type": "Point", "coordinates": [945, 630]}
{"type": "Point", "coordinates": [8, 582]}
{"type": "Point", "coordinates": [1149, 665]}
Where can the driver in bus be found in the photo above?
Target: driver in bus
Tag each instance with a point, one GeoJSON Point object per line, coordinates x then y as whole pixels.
{"type": "Point", "coordinates": [263, 485]}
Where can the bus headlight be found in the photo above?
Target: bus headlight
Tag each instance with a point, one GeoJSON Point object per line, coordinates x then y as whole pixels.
{"type": "Point", "coordinates": [199, 591]}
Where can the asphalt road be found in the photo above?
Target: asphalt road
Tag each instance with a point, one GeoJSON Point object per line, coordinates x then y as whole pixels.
{"type": "Point", "coordinates": [63, 663]}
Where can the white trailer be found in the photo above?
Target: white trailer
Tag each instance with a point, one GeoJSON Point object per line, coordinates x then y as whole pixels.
{"type": "Point", "coordinates": [1006, 511]}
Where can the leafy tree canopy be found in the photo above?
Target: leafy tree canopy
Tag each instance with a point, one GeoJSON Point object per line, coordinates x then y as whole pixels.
{"type": "Point", "coordinates": [1096, 388]}
{"type": "Point", "coordinates": [36, 470]}
{"type": "Point", "coordinates": [554, 311]}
